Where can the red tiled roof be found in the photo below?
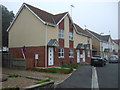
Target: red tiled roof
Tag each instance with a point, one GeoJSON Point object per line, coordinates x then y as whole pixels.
{"type": "Point", "coordinates": [45, 16]}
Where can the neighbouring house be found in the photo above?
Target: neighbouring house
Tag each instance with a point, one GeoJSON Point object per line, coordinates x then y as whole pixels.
{"type": "Point", "coordinates": [101, 44]}
{"type": "Point", "coordinates": [45, 40]}
{"type": "Point", "coordinates": [115, 46]}
{"type": "Point", "coordinates": [96, 42]}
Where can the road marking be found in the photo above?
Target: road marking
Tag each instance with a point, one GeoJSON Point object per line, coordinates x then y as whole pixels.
{"type": "Point", "coordinates": [94, 84]}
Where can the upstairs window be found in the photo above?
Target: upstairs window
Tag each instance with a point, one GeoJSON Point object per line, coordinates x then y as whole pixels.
{"type": "Point", "coordinates": [61, 53]}
{"type": "Point", "coordinates": [71, 53]}
{"type": "Point", "coordinates": [71, 36]}
{"type": "Point", "coordinates": [61, 33]}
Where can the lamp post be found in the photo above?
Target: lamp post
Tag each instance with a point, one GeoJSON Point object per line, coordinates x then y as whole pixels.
{"type": "Point", "coordinates": [71, 9]}
{"type": "Point", "coordinates": [101, 47]}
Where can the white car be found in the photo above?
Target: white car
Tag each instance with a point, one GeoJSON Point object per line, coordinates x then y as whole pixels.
{"type": "Point", "coordinates": [113, 58]}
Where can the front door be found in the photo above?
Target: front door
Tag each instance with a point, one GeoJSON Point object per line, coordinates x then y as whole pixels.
{"type": "Point", "coordinates": [83, 55]}
{"type": "Point", "coordinates": [78, 56]}
{"type": "Point", "coordinates": [50, 56]}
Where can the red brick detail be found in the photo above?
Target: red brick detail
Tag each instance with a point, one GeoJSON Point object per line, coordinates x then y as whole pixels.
{"type": "Point", "coordinates": [30, 54]}
{"type": "Point", "coordinates": [71, 44]}
{"type": "Point", "coordinates": [66, 60]}
{"type": "Point", "coordinates": [61, 24]}
{"type": "Point", "coordinates": [61, 43]}
{"type": "Point", "coordinates": [16, 52]}
{"type": "Point", "coordinates": [30, 64]}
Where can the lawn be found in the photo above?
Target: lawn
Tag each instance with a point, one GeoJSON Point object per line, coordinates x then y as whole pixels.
{"type": "Point", "coordinates": [74, 66]}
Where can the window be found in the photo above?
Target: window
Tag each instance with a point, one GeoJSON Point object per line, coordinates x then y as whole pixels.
{"type": "Point", "coordinates": [71, 53]}
{"type": "Point", "coordinates": [88, 53]}
{"type": "Point", "coordinates": [61, 33]}
{"type": "Point", "coordinates": [71, 36]}
{"type": "Point", "coordinates": [61, 53]}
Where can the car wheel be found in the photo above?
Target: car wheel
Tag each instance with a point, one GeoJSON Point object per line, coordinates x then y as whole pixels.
{"type": "Point", "coordinates": [102, 64]}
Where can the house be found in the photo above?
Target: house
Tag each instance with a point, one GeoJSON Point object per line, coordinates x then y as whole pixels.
{"type": "Point", "coordinates": [96, 42]}
{"type": "Point", "coordinates": [46, 40]}
{"type": "Point", "coordinates": [115, 46]}
{"type": "Point", "coordinates": [101, 44]}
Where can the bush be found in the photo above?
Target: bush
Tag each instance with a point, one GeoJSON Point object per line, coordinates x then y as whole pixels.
{"type": "Point", "coordinates": [14, 75]}
{"type": "Point", "coordinates": [66, 71]}
{"type": "Point", "coordinates": [42, 81]}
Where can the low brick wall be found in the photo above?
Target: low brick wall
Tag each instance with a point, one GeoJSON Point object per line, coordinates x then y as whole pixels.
{"type": "Point", "coordinates": [40, 86]}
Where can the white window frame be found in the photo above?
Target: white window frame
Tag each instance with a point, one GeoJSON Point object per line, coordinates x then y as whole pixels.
{"type": "Point", "coordinates": [71, 36]}
{"type": "Point", "coordinates": [61, 33]}
{"type": "Point", "coordinates": [60, 53]}
{"type": "Point", "coordinates": [71, 53]}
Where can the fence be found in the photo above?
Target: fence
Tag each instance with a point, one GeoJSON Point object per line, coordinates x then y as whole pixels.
{"type": "Point", "coordinates": [8, 61]}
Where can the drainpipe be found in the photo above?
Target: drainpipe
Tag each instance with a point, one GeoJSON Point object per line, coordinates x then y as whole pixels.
{"type": "Point", "coordinates": [46, 44]}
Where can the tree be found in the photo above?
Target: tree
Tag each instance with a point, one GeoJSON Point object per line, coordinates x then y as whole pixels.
{"type": "Point", "coordinates": [7, 17]}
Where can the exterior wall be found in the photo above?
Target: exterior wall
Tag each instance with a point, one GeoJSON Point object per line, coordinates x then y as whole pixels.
{"type": "Point", "coordinates": [66, 31]}
{"type": "Point", "coordinates": [96, 43]}
{"type": "Point", "coordinates": [115, 47]}
{"type": "Point", "coordinates": [52, 33]}
{"type": "Point", "coordinates": [79, 39]}
{"type": "Point", "coordinates": [30, 54]}
{"type": "Point", "coordinates": [27, 25]}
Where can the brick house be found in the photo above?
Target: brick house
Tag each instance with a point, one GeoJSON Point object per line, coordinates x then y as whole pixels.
{"type": "Point", "coordinates": [101, 44]}
{"type": "Point", "coordinates": [49, 40]}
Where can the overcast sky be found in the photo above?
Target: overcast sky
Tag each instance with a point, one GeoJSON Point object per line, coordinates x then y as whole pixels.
{"type": "Point", "coordinates": [100, 16]}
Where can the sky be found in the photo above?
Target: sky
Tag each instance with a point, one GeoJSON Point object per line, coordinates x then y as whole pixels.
{"type": "Point", "coordinates": [100, 16]}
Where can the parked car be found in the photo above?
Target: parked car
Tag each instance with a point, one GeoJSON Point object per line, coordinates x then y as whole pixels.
{"type": "Point", "coordinates": [98, 60]}
{"type": "Point", "coordinates": [114, 59]}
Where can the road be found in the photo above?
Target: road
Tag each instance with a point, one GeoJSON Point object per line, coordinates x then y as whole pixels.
{"type": "Point", "coordinates": [107, 77]}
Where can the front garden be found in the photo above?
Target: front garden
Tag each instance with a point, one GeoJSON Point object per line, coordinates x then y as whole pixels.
{"type": "Point", "coordinates": [64, 69]}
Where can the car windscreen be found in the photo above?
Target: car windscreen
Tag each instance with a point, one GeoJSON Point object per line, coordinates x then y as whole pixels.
{"type": "Point", "coordinates": [96, 58]}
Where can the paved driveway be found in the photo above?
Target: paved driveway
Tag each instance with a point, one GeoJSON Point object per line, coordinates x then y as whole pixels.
{"type": "Point", "coordinates": [81, 78]}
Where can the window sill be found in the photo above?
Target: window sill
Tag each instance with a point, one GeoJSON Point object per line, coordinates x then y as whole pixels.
{"type": "Point", "coordinates": [71, 57]}
{"type": "Point", "coordinates": [60, 57]}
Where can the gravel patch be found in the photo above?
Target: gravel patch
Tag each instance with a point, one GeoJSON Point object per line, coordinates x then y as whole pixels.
{"type": "Point", "coordinates": [24, 82]}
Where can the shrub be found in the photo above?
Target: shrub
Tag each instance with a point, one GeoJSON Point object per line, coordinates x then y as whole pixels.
{"type": "Point", "coordinates": [14, 75]}
{"type": "Point", "coordinates": [66, 71]}
{"type": "Point", "coordinates": [42, 81]}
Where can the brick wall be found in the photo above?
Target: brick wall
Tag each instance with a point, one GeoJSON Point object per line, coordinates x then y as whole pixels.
{"type": "Point", "coordinates": [30, 54]}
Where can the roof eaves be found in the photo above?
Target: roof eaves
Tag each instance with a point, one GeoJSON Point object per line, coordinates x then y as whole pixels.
{"type": "Point", "coordinates": [62, 18]}
{"type": "Point", "coordinates": [15, 17]}
{"type": "Point", "coordinates": [93, 35]}
{"type": "Point", "coordinates": [79, 32]}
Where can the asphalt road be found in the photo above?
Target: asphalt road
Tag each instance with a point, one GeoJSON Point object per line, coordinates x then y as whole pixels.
{"type": "Point", "coordinates": [108, 76]}
{"type": "Point", "coordinates": [81, 78]}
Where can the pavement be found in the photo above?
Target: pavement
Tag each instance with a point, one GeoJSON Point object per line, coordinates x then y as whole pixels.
{"type": "Point", "coordinates": [81, 78]}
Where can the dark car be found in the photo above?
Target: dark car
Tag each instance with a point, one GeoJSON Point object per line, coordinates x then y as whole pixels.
{"type": "Point", "coordinates": [98, 60]}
